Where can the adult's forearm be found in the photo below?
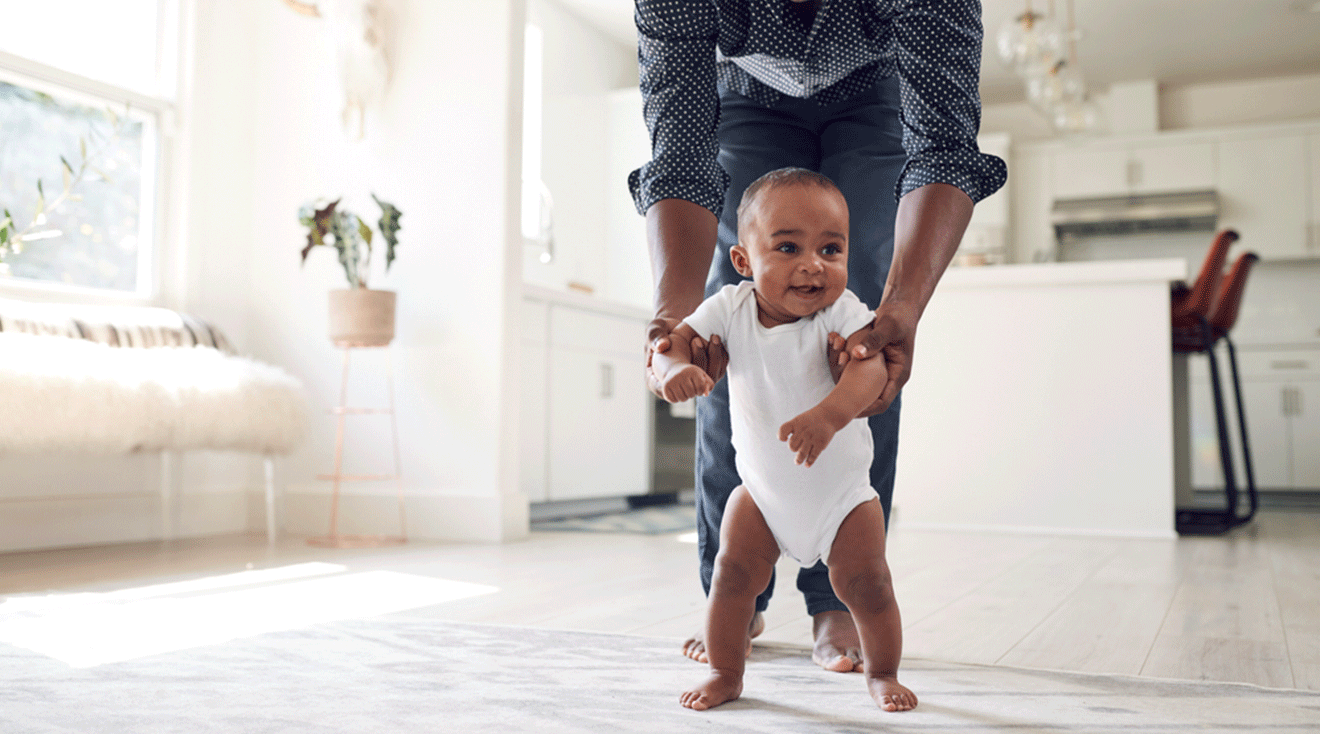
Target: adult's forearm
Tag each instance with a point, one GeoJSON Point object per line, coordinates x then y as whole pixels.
{"type": "Point", "coordinates": [681, 236]}
{"type": "Point", "coordinates": [930, 225]}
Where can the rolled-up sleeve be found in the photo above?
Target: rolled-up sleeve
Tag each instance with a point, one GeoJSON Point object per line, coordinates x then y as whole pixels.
{"type": "Point", "coordinates": [676, 64]}
{"type": "Point", "coordinates": [938, 55]}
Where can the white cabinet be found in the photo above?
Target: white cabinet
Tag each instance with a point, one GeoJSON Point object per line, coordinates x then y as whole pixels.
{"type": "Point", "coordinates": [534, 374]}
{"type": "Point", "coordinates": [1313, 223]}
{"type": "Point", "coordinates": [986, 240]}
{"type": "Point", "coordinates": [1264, 192]}
{"type": "Point", "coordinates": [1281, 397]}
{"type": "Point", "coordinates": [1133, 169]}
{"type": "Point", "coordinates": [586, 413]}
{"type": "Point", "coordinates": [1029, 178]}
{"type": "Point", "coordinates": [1304, 434]}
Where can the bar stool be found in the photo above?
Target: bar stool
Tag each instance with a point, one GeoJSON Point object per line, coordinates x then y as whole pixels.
{"type": "Point", "coordinates": [1190, 305]}
{"type": "Point", "coordinates": [1201, 336]}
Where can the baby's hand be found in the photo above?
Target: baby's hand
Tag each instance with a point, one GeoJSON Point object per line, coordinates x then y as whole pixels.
{"type": "Point", "coordinates": [685, 382]}
{"type": "Point", "coordinates": [807, 435]}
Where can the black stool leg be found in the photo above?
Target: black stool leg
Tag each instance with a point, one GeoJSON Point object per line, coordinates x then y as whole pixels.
{"type": "Point", "coordinates": [1246, 444]}
{"type": "Point", "coordinates": [1213, 522]}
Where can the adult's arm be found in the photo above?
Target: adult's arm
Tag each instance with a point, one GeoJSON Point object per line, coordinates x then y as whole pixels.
{"type": "Point", "coordinates": [938, 57]}
{"type": "Point", "coordinates": [681, 190]}
{"type": "Point", "coordinates": [681, 237]}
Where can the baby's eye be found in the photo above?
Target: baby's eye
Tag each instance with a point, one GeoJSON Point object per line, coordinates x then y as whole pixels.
{"type": "Point", "coordinates": [831, 250]}
{"type": "Point", "coordinates": [787, 247]}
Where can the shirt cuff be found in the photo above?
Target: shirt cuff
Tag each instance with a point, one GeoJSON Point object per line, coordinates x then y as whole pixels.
{"type": "Point", "coordinates": [698, 191]}
{"type": "Point", "coordinates": [980, 176]}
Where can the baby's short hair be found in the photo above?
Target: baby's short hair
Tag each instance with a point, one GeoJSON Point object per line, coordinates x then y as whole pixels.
{"type": "Point", "coordinates": [783, 177]}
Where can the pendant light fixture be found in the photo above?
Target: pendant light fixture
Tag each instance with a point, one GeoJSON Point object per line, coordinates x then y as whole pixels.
{"type": "Point", "coordinates": [1044, 55]}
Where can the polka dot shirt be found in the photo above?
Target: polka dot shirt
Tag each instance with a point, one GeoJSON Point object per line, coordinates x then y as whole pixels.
{"type": "Point", "coordinates": [690, 50]}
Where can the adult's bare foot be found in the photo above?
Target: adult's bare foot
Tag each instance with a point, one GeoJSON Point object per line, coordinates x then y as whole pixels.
{"type": "Point", "coordinates": [837, 646]}
{"type": "Point", "coordinates": [721, 687]}
{"type": "Point", "coordinates": [889, 694]}
{"type": "Point", "coordinates": [695, 646]}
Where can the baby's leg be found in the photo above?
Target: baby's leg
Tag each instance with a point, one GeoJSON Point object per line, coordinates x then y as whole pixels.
{"type": "Point", "coordinates": [860, 577]}
{"type": "Point", "coordinates": [748, 552]}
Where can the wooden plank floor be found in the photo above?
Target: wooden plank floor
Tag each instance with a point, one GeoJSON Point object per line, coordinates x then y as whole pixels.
{"type": "Point", "coordinates": [1244, 607]}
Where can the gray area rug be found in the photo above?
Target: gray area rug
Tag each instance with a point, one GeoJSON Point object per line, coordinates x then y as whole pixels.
{"type": "Point", "coordinates": [393, 674]}
{"type": "Point", "coordinates": [644, 520]}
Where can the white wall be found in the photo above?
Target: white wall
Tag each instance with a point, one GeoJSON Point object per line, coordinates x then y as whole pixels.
{"type": "Point", "coordinates": [1187, 106]}
{"type": "Point", "coordinates": [1223, 104]}
{"type": "Point", "coordinates": [443, 148]}
{"type": "Point", "coordinates": [258, 135]}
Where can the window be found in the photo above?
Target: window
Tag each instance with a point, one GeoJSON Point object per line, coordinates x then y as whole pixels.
{"type": "Point", "coordinates": [80, 105]}
{"type": "Point", "coordinates": [98, 233]}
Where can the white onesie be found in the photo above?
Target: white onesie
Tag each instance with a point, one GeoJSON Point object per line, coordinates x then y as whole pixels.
{"type": "Point", "coordinates": [776, 374]}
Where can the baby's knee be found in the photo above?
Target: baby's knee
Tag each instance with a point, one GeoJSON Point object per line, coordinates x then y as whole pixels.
{"type": "Point", "coordinates": [869, 590]}
{"type": "Point", "coordinates": [740, 573]}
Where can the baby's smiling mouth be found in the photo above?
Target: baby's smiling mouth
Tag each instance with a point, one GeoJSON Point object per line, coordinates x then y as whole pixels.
{"type": "Point", "coordinates": [806, 290]}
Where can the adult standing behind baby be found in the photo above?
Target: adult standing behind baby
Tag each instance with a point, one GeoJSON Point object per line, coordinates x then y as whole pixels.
{"type": "Point", "coordinates": [878, 95]}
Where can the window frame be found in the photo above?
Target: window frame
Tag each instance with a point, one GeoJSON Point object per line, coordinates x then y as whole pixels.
{"type": "Point", "coordinates": [158, 114]}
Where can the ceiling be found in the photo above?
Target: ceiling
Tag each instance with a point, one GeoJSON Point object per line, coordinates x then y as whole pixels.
{"type": "Point", "coordinates": [1171, 41]}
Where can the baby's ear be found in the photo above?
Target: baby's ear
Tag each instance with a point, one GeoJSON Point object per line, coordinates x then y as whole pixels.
{"type": "Point", "coordinates": [741, 263]}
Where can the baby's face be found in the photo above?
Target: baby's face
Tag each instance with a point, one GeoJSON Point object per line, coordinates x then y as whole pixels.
{"type": "Point", "coordinates": [794, 246]}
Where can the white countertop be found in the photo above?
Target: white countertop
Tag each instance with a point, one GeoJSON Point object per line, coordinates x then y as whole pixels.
{"type": "Point", "coordinates": [585, 301]}
{"type": "Point", "coordinates": [989, 276]}
{"type": "Point", "coordinates": [1070, 273]}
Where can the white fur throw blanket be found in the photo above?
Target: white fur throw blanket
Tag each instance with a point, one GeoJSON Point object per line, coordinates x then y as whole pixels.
{"type": "Point", "coordinates": [74, 395]}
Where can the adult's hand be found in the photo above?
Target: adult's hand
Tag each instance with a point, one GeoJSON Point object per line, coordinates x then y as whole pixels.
{"type": "Point", "coordinates": [929, 225]}
{"type": "Point", "coordinates": [893, 336]}
{"type": "Point", "coordinates": [710, 356]}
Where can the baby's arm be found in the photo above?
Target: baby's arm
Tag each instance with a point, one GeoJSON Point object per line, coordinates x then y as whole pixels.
{"type": "Point", "coordinates": [678, 378]}
{"type": "Point", "coordinates": [861, 382]}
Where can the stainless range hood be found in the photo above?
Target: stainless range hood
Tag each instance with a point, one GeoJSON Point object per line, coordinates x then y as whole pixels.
{"type": "Point", "coordinates": [1187, 211]}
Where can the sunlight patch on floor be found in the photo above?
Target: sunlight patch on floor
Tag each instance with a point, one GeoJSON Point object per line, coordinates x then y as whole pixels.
{"type": "Point", "coordinates": [688, 537]}
{"type": "Point", "coordinates": [89, 629]}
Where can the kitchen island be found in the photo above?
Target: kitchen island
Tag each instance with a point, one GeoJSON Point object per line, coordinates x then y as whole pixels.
{"type": "Point", "coordinates": [1041, 400]}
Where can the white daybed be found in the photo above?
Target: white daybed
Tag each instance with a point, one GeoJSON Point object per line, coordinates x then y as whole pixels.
{"type": "Point", "coordinates": [118, 380]}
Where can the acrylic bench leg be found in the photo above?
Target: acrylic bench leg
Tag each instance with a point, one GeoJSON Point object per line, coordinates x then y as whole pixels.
{"type": "Point", "coordinates": [270, 499]}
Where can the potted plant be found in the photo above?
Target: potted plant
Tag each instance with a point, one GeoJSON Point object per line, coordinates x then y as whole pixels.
{"type": "Point", "coordinates": [359, 316]}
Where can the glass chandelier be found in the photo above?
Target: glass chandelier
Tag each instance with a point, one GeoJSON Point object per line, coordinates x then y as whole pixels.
{"type": "Point", "coordinates": [1044, 55]}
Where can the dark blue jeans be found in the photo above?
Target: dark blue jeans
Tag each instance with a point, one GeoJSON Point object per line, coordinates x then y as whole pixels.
{"type": "Point", "coordinates": [858, 144]}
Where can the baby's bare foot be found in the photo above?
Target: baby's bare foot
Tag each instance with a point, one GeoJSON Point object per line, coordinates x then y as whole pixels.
{"type": "Point", "coordinates": [721, 687]}
{"type": "Point", "coordinates": [889, 694]}
{"type": "Point", "coordinates": [695, 646]}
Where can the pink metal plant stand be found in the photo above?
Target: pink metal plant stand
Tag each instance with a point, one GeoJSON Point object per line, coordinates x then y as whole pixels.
{"type": "Point", "coordinates": [335, 539]}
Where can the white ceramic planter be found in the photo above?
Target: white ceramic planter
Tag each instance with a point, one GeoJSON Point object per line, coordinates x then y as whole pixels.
{"type": "Point", "coordinates": [361, 317]}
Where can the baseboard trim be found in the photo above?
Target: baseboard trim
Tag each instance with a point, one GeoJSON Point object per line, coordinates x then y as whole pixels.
{"type": "Point", "coordinates": [80, 520]}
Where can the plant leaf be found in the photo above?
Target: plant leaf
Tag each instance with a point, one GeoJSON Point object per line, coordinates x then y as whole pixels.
{"type": "Point", "coordinates": [389, 228]}
{"type": "Point", "coordinates": [318, 225]}
{"type": "Point", "coordinates": [346, 241]}
{"type": "Point", "coordinates": [364, 230]}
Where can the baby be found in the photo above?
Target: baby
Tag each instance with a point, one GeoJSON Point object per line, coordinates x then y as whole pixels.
{"type": "Point", "coordinates": [796, 499]}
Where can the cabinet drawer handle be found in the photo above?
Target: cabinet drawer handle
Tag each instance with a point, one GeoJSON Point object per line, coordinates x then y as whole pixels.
{"type": "Point", "coordinates": [1289, 364]}
{"type": "Point", "coordinates": [606, 380]}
